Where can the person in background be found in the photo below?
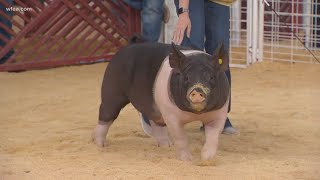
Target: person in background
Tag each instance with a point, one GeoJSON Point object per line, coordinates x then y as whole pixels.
{"type": "Point", "coordinates": [203, 24]}
{"type": "Point", "coordinates": [153, 12]}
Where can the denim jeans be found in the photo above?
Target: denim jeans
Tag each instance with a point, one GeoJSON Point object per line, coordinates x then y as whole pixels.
{"type": "Point", "coordinates": [4, 33]}
{"type": "Point", "coordinates": [209, 27]}
{"type": "Point", "coordinates": [151, 17]}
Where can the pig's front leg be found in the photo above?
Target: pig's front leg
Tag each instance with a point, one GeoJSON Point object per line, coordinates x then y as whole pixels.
{"type": "Point", "coordinates": [175, 128]}
{"type": "Point", "coordinates": [161, 135]}
{"type": "Point", "coordinates": [213, 130]}
{"type": "Point", "coordinates": [100, 132]}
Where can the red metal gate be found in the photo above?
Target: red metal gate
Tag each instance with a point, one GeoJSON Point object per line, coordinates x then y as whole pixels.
{"type": "Point", "coordinates": [51, 33]}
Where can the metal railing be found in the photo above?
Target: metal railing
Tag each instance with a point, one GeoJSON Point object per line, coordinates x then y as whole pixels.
{"type": "Point", "coordinates": [49, 33]}
{"type": "Point", "coordinates": [266, 35]}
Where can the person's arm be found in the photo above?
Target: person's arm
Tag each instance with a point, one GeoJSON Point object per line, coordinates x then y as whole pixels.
{"type": "Point", "coordinates": [183, 23]}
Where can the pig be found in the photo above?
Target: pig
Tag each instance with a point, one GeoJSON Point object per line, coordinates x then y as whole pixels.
{"type": "Point", "coordinates": [172, 86]}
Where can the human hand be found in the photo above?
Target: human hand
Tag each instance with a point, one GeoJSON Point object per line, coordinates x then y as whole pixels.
{"type": "Point", "coordinates": [183, 24]}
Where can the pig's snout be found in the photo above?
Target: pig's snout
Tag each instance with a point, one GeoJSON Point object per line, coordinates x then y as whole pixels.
{"type": "Point", "coordinates": [197, 95]}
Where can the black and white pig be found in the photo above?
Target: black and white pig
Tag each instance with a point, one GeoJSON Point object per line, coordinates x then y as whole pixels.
{"type": "Point", "coordinates": [171, 86]}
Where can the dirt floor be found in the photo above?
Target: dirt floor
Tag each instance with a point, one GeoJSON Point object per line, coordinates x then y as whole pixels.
{"type": "Point", "coordinates": [47, 116]}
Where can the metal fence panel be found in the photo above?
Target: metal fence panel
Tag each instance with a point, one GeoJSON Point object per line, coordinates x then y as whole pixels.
{"type": "Point", "coordinates": [258, 33]}
{"type": "Point", "coordinates": [49, 33]}
{"type": "Point", "coordinates": [239, 31]}
{"type": "Point", "coordinates": [298, 16]}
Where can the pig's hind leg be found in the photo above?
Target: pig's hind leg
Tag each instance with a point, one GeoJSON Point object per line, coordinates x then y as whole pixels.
{"type": "Point", "coordinates": [161, 135]}
{"type": "Point", "coordinates": [109, 110]}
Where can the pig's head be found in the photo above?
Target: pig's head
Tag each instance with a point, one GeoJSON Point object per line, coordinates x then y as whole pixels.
{"type": "Point", "coordinates": [198, 83]}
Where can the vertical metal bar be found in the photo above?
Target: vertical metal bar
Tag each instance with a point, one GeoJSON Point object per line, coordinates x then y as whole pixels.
{"type": "Point", "coordinates": [278, 24]}
{"type": "Point", "coordinates": [307, 21]}
{"type": "Point", "coordinates": [292, 29]}
{"type": "Point", "coordinates": [236, 22]}
{"type": "Point", "coordinates": [249, 35]}
{"type": "Point", "coordinates": [272, 32]}
{"type": "Point", "coordinates": [312, 17]}
{"type": "Point", "coordinates": [261, 31]}
{"type": "Point", "coordinates": [137, 21]}
{"type": "Point", "coordinates": [316, 24]}
{"type": "Point", "coordinates": [254, 31]}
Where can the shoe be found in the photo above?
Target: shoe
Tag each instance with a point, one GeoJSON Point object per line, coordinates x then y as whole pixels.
{"type": "Point", "coordinates": [228, 129]}
{"type": "Point", "coordinates": [145, 123]}
{"type": "Point", "coordinates": [166, 14]}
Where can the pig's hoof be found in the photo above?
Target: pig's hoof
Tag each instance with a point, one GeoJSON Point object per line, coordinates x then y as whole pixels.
{"type": "Point", "coordinates": [99, 141]}
{"type": "Point", "coordinates": [185, 156]}
{"type": "Point", "coordinates": [99, 136]}
{"type": "Point", "coordinates": [164, 142]}
{"type": "Point", "coordinates": [207, 155]}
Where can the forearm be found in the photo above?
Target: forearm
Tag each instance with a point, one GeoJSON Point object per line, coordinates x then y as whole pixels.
{"type": "Point", "coordinates": [183, 3]}
{"type": "Point", "coordinates": [184, 24]}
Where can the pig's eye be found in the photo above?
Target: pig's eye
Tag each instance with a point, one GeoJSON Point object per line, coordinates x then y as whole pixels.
{"type": "Point", "coordinates": [213, 81]}
{"type": "Point", "coordinates": [212, 78]}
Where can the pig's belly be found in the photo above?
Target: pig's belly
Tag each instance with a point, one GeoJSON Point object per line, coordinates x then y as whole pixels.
{"type": "Point", "coordinates": [170, 112]}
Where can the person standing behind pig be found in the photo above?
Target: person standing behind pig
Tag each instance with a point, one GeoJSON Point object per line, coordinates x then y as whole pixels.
{"type": "Point", "coordinates": [203, 24]}
{"type": "Point", "coordinates": [153, 12]}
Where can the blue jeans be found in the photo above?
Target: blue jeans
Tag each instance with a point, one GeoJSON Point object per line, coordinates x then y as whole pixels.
{"type": "Point", "coordinates": [209, 26]}
{"type": "Point", "coordinates": [151, 17]}
{"type": "Point", "coordinates": [6, 34]}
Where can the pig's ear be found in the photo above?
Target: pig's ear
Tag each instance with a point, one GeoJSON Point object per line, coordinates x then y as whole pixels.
{"type": "Point", "coordinates": [221, 58]}
{"type": "Point", "coordinates": [176, 57]}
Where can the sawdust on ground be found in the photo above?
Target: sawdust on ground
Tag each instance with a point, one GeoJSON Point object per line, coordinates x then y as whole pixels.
{"type": "Point", "coordinates": [47, 116]}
